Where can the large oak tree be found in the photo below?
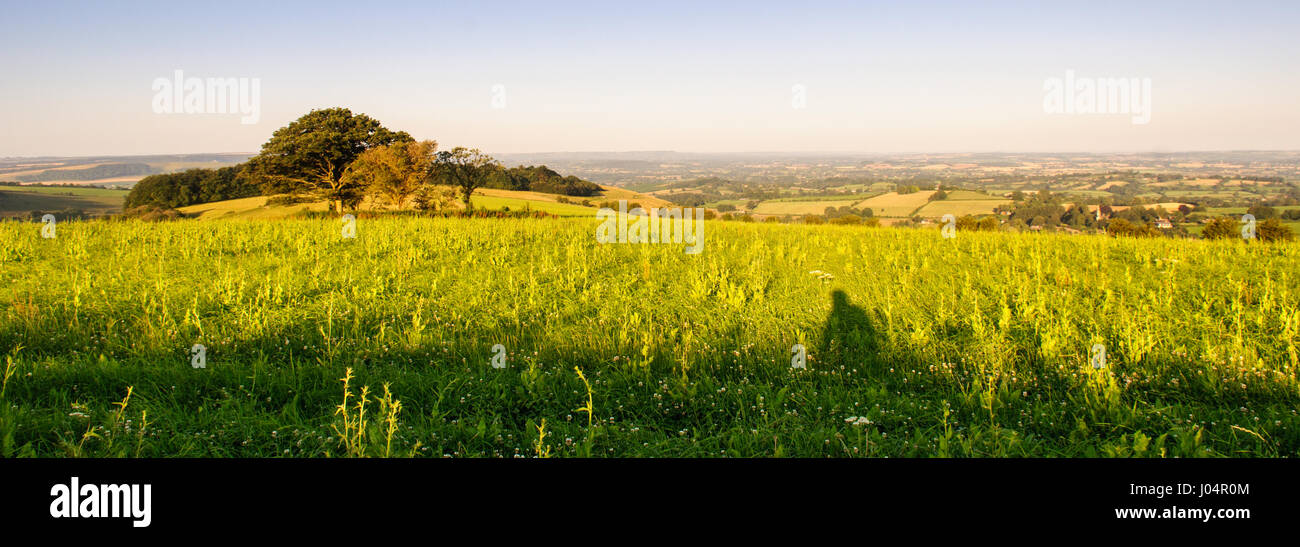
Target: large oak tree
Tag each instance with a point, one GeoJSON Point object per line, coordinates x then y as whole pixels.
{"type": "Point", "coordinates": [312, 154]}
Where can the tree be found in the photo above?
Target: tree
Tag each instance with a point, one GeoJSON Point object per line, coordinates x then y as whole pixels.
{"type": "Point", "coordinates": [191, 186]}
{"type": "Point", "coordinates": [1220, 228]}
{"type": "Point", "coordinates": [466, 169]}
{"type": "Point", "coordinates": [395, 173]}
{"type": "Point", "coordinates": [313, 154]}
{"type": "Point", "coordinates": [1120, 227]}
{"type": "Point", "coordinates": [1273, 230]}
{"type": "Point", "coordinates": [1262, 212]}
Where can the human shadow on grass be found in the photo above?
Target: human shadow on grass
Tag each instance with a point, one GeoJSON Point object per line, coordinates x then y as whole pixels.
{"type": "Point", "coordinates": [850, 335]}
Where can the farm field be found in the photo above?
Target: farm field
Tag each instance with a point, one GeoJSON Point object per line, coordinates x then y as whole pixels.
{"type": "Point", "coordinates": [968, 195]}
{"type": "Point", "coordinates": [894, 204]}
{"type": "Point", "coordinates": [252, 208]}
{"type": "Point", "coordinates": [961, 207]}
{"type": "Point", "coordinates": [18, 201]}
{"type": "Point", "coordinates": [501, 202]}
{"type": "Point", "coordinates": [255, 208]}
{"type": "Point", "coordinates": [916, 345]}
{"type": "Point", "coordinates": [774, 207]}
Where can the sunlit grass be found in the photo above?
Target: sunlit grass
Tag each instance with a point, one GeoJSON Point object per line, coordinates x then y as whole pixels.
{"type": "Point", "coordinates": [977, 346]}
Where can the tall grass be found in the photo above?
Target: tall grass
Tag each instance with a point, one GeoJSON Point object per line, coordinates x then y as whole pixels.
{"type": "Point", "coordinates": [976, 346]}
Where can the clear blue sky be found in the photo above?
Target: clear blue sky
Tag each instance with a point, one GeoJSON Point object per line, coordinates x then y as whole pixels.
{"type": "Point", "coordinates": [692, 76]}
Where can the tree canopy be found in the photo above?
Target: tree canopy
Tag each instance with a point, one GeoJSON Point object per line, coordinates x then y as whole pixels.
{"type": "Point", "coordinates": [191, 186]}
{"type": "Point", "coordinates": [465, 168]}
{"type": "Point", "coordinates": [312, 154]}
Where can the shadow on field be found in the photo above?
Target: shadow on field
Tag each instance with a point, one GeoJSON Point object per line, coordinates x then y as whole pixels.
{"type": "Point", "coordinates": [850, 335]}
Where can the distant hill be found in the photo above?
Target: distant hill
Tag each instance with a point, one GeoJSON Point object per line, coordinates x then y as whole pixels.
{"type": "Point", "coordinates": [106, 171]}
{"type": "Point", "coordinates": [98, 172]}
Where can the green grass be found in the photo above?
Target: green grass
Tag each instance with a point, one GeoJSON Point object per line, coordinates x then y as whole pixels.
{"type": "Point", "coordinates": [17, 201]}
{"type": "Point", "coordinates": [975, 346]}
{"type": "Point", "coordinates": [80, 191]}
{"type": "Point", "coordinates": [968, 195]}
{"type": "Point", "coordinates": [962, 207]}
{"type": "Point", "coordinates": [800, 207]}
{"type": "Point", "coordinates": [517, 204]}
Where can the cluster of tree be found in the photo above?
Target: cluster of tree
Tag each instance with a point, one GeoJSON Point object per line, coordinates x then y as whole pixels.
{"type": "Point", "coordinates": [850, 219]}
{"type": "Point", "coordinates": [1269, 230]}
{"type": "Point", "coordinates": [613, 204]}
{"type": "Point", "coordinates": [191, 186]}
{"type": "Point", "coordinates": [1123, 228]}
{"type": "Point", "coordinates": [832, 213]}
{"type": "Point", "coordinates": [542, 179]}
{"type": "Point", "coordinates": [1262, 212]}
{"type": "Point", "coordinates": [1039, 209]}
{"type": "Point", "coordinates": [854, 220]}
{"type": "Point", "coordinates": [109, 170]}
{"type": "Point", "coordinates": [69, 213]}
{"type": "Point", "coordinates": [969, 223]}
{"type": "Point", "coordinates": [342, 157]}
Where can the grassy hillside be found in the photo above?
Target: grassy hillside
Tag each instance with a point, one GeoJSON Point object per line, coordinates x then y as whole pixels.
{"type": "Point", "coordinates": [916, 345]}
{"type": "Point", "coordinates": [800, 207]}
{"type": "Point", "coordinates": [484, 198]}
{"type": "Point", "coordinates": [894, 204]}
{"type": "Point", "coordinates": [19, 201]}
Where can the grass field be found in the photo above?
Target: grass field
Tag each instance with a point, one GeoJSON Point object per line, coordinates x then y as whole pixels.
{"type": "Point", "coordinates": [253, 208]}
{"type": "Point", "coordinates": [521, 204]}
{"type": "Point", "coordinates": [894, 204]}
{"type": "Point", "coordinates": [916, 345]}
{"type": "Point", "coordinates": [492, 199]}
{"type": "Point", "coordinates": [968, 195]}
{"type": "Point", "coordinates": [17, 201]}
{"type": "Point", "coordinates": [774, 207]}
{"type": "Point", "coordinates": [936, 209]}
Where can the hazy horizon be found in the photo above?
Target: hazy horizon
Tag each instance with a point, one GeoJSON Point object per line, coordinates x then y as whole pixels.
{"type": "Point", "coordinates": [765, 78]}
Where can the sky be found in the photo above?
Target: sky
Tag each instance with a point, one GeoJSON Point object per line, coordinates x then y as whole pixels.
{"type": "Point", "coordinates": [78, 78]}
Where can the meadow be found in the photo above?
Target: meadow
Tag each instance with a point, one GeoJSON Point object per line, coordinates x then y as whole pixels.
{"type": "Point", "coordinates": [383, 344]}
{"type": "Point", "coordinates": [894, 204]}
{"type": "Point", "coordinates": [960, 207]}
{"type": "Point", "coordinates": [19, 201]}
{"type": "Point", "coordinates": [800, 207]}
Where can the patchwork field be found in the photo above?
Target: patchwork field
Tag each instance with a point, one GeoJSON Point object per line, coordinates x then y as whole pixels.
{"type": "Point", "coordinates": [935, 209]}
{"type": "Point", "coordinates": [894, 204]}
{"type": "Point", "coordinates": [797, 208]}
